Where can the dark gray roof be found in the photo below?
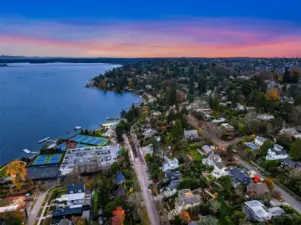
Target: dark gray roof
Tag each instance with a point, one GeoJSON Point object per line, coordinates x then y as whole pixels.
{"type": "Point", "coordinates": [277, 152]}
{"type": "Point", "coordinates": [291, 163]}
{"type": "Point", "coordinates": [43, 172]}
{"type": "Point", "coordinates": [239, 175]}
{"type": "Point", "coordinates": [67, 212]}
{"type": "Point", "coordinates": [75, 188]}
{"type": "Point", "coordinates": [174, 183]}
{"type": "Point", "coordinates": [172, 174]}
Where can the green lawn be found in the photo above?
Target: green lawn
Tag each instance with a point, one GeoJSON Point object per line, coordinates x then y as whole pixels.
{"type": "Point", "coordinates": [195, 154]}
{"type": "Point", "coordinates": [95, 203]}
{"type": "Point", "coordinates": [144, 217]}
{"type": "Point", "coordinates": [3, 172]}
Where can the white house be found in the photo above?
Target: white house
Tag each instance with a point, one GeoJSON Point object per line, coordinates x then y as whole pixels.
{"type": "Point", "coordinates": [265, 117]}
{"type": "Point", "coordinates": [227, 126]}
{"type": "Point", "coordinates": [191, 134]}
{"type": "Point", "coordinates": [207, 149]}
{"type": "Point", "coordinates": [276, 153]}
{"type": "Point", "coordinates": [157, 113]}
{"type": "Point", "coordinates": [259, 141]}
{"type": "Point", "coordinates": [218, 121]}
{"type": "Point", "coordinates": [71, 199]}
{"type": "Point", "coordinates": [256, 211]}
{"type": "Point", "coordinates": [170, 164]}
{"type": "Point", "coordinates": [216, 161]}
{"type": "Point", "coordinates": [240, 107]}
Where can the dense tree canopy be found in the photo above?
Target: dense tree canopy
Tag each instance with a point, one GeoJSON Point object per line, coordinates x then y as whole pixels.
{"type": "Point", "coordinates": [295, 151]}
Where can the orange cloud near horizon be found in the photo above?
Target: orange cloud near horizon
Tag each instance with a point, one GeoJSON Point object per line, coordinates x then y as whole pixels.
{"type": "Point", "coordinates": [170, 39]}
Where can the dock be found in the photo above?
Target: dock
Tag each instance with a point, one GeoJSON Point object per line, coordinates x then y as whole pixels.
{"type": "Point", "coordinates": [45, 139]}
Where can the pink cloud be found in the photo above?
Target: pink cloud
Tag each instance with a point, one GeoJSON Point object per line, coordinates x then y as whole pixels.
{"type": "Point", "coordinates": [194, 37]}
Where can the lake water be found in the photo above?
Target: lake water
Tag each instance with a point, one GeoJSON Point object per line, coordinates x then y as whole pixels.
{"type": "Point", "coordinates": [41, 100]}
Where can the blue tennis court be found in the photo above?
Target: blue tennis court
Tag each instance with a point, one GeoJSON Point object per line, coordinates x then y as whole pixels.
{"type": "Point", "coordinates": [251, 145]}
{"type": "Point", "coordinates": [63, 146]}
{"type": "Point", "coordinates": [47, 159]}
{"type": "Point", "coordinates": [90, 140]}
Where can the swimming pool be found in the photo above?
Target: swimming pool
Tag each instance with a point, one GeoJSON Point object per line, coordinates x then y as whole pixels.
{"type": "Point", "coordinates": [251, 145]}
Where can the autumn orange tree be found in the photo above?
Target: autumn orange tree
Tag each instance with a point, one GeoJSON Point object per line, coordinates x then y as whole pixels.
{"type": "Point", "coordinates": [273, 94]}
{"type": "Point", "coordinates": [17, 170]}
{"type": "Point", "coordinates": [119, 216]}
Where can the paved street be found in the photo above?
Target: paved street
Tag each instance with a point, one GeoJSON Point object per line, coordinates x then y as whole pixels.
{"type": "Point", "coordinates": [286, 196]}
{"type": "Point", "coordinates": [209, 131]}
{"type": "Point", "coordinates": [32, 215]}
{"type": "Point", "coordinates": [141, 171]}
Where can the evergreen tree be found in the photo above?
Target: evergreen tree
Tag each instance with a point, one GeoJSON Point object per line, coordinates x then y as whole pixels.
{"type": "Point", "coordinates": [177, 131]}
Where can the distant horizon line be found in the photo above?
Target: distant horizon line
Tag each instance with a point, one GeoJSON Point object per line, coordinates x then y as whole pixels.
{"type": "Point", "coordinates": [104, 57]}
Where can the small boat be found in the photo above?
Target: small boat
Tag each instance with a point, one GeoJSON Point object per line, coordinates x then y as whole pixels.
{"type": "Point", "coordinates": [26, 151]}
{"type": "Point", "coordinates": [77, 128]}
{"type": "Point", "coordinates": [45, 139]}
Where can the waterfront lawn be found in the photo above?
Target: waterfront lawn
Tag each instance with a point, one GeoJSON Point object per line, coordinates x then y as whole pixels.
{"type": "Point", "coordinates": [3, 172]}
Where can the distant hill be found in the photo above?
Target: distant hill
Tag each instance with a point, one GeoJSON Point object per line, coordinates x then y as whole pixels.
{"type": "Point", "coordinates": [22, 59]}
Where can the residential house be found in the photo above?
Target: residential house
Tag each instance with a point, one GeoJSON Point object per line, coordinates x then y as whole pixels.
{"type": "Point", "coordinates": [119, 178]}
{"type": "Point", "coordinates": [149, 133]}
{"type": "Point", "coordinates": [186, 199]}
{"type": "Point", "coordinates": [191, 134]}
{"type": "Point", "coordinates": [256, 211]}
{"type": "Point", "coordinates": [240, 107]}
{"type": "Point", "coordinates": [288, 163]}
{"type": "Point", "coordinates": [219, 120]}
{"type": "Point", "coordinates": [239, 177]}
{"type": "Point", "coordinates": [265, 117]}
{"type": "Point", "coordinates": [258, 189]}
{"type": "Point", "coordinates": [216, 161]}
{"type": "Point", "coordinates": [259, 141]}
{"type": "Point", "coordinates": [157, 113]}
{"type": "Point", "coordinates": [75, 188]}
{"type": "Point", "coordinates": [172, 175]}
{"type": "Point", "coordinates": [292, 132]}
{"type": "Point", "coordinates": [276, 153]}
{"type": "Point", "coordinates": [170, 164]}
{"type": "Point", "coordinates": [207, 149]}
{"type": "Point", "coordinates": [276, 211]}
{"type": "Point", "coordinates": [148, 149]}
{"type": "Point", "coordinates": [227, 127]}
{"type": "Point", "coordinates": [171, 189]}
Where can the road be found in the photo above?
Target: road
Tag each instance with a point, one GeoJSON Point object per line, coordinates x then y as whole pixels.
{"type": "Point", "coordinates": [33, 214]}
{"type": "Point", "coordinates": [210, 131]}
{"type": "Point", "coordinates": [140, 168]}
{"type": "Point", "coordinates": [286, 196]}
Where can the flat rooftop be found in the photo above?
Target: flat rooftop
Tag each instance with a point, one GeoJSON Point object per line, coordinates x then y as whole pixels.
{"type": "Point", "coordinates": [97, 157]}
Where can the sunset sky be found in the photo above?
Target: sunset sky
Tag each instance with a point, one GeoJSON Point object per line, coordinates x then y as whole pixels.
{"type": "Point", "coordinates": [165, 28]}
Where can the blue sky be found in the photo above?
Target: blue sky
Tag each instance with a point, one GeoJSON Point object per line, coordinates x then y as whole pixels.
{"type": "Point", "coordinates": [128, 19]}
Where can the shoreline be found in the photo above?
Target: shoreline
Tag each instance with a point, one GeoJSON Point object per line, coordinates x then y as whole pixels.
{"type": "Point", "coordinates": [71, 132]}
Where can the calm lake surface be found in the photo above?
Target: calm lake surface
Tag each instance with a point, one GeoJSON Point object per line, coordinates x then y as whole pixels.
{"type": "Point", "coordinates": [41, 100]}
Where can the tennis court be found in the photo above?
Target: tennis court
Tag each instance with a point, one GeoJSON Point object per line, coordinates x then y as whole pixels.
{"type": "Point", "coordinates": [251, 145]}
{"type": "Point", "coordinates": [89, 140]}
{"type": "Point", "coordinates": [49, 159]}
{"type": "Point", "coordinates": [62, 146]}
